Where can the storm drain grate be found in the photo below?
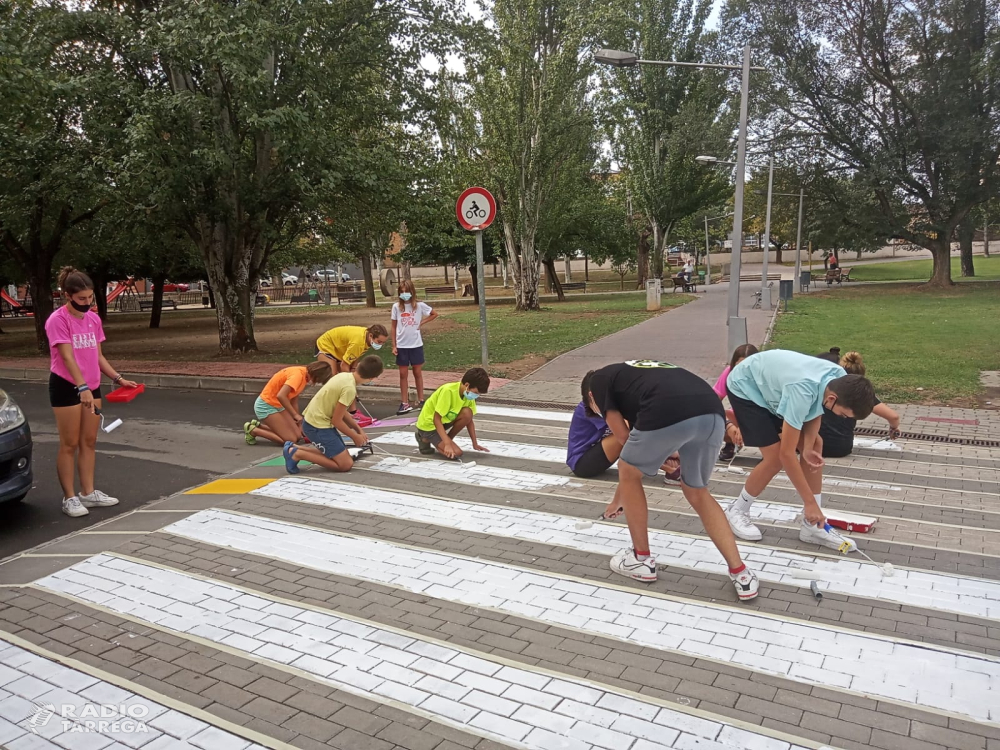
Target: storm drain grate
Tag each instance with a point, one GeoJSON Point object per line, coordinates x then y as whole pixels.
{"type": "Point", "coordinates": [977, 442]}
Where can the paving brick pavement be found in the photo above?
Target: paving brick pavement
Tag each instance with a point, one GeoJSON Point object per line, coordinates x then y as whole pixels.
{"type": "Point", "coordinates": [365, 611]}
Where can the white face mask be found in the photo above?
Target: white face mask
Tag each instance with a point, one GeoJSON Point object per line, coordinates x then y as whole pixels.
{"type": "Point", "coordinates": [376, 345]}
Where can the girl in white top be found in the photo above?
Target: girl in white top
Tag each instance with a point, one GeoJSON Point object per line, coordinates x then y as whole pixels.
{"type": "Point", "coordinates": [408, 315]}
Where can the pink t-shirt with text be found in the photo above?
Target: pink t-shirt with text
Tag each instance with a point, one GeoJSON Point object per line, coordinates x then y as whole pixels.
{"type": "Point", "coordinates": [84, 334]}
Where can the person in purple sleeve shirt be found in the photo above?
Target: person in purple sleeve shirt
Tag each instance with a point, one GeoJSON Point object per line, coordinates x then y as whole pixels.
{"type": "Point", "coordinates": [592, 449]}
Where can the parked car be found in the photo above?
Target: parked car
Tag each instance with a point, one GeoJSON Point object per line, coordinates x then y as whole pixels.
{"type": "Point", "coordinates": [288, 280]}
{"type": "Point", "coordinates": [322, 274]}
{"type": "Point", "coordinates": [264, 282]}
{"type": "Point", "coordinates": [15, 451]}
{"type": "Point", "coordinates": [169, 286]}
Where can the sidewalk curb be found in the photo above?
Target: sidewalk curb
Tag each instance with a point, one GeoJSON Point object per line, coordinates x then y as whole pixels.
{"type": "Point", "coordinates": [770, 326]}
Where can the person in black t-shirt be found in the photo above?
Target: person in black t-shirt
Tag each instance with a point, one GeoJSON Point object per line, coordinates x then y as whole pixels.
{"type": "Point", "coordinates": [837, 432]}
{"type": "Point", "coordinates": [670, 410]}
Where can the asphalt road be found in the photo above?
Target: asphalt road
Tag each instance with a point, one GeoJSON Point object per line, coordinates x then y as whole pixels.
{"type": "Point", "coordinates": [170, 440]}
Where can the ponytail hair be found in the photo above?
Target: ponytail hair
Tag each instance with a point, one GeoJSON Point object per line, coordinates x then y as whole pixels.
{"type": "Point", "coordinates": [73, 282]}
{"type": "Point", "coordinates": [853, 363]}
{"type": "Point", "coordinates": [377, 330]}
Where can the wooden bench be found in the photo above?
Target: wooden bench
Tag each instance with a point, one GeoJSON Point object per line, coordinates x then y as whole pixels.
{"type": "Point", "coordinates": [845, 275]}
{"type": "Point", "coordinates": [681, 283]}
{"type": "Point", "coordinates": [303, 299]}
{"type": "Point", "coordinates": [832, 275]}
{"type": "Point", "coordinates": [575, 285]}
{"type": "Point", "coordinates": [429, 290]}
{"type": "Point", "coordinates": [349, 293]}
{"type": "Point", "coordinates": [147, 304]}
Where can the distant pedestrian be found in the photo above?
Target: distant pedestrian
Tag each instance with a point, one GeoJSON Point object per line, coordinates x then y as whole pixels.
{"type": "Point", "coordinates": [278, 417]}
{"type": "Point", "coordinates": [327, 420]}
{"type": "Point", "coordinates": [409, 315]}
{"type": "Point", "coordinates": [76, 362]}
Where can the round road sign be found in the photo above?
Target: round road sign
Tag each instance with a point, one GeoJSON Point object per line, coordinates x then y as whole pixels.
{"type": "Point", "coordinates": [476, 209]}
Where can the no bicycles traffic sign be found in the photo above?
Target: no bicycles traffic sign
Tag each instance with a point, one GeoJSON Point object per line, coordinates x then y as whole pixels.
{"type": "Point", "coordinates": [476, 209]}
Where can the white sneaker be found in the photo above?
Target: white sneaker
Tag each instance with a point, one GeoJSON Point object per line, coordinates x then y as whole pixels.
{"type": "Point", "coordinates": [818, 535]}
{"type": "Point", "coordinates": [746, 584]}
{"type": "Point", "coordinates": [73, 508]}
{"type": "Point", "coordinates": [98, 499]}
{"type": "Point", "coordinates": [742, 526]}
{"type": "Point", "coordinates": [626, 564]}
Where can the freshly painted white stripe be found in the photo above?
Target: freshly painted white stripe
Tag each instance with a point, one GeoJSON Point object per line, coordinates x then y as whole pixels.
{"type": "Point", "coordinates": [939, 678]}
{"type": "Point", "coordinates": [46, 704]}
{"type": "Point", "coordinates": [481, 476]}
{"type": "Point", "coordinates": [929, 590]}
{"type": "Point", "coordinates": [532, 415]}
{"type": "Point", "coordinates": [496, 447]}
{"type": "Point", "coordinates": [520, 705]}
{"type": "Point", "coordinates": [877, 444]}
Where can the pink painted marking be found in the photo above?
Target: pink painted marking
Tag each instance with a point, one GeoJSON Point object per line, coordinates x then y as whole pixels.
{"type": "Point", "coordinates": [948, 420]}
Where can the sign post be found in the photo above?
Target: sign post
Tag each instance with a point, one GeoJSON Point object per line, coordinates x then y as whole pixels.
{"type": "Point", "coordinates": [476, 209]}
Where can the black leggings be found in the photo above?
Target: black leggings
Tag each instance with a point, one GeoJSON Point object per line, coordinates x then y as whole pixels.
{"type": "Point", "coordinates": [594, 462]}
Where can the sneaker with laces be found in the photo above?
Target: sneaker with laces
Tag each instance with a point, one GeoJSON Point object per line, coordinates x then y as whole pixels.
{"type": "Point", "coordinates": [831, 540]}
{"type": "Point", "coordinates": [71, 507]}
{"type": "Point", "coordinates": [742, 526]}
{"type": "Point", "coordinates": [728, 452]}
{"type": "Point", "coordinates": [98, 499]}
{"type": "Point", "coordinates": [746, 584]}
{"type": "Point", "coordinates": [404, 408]}
{"type": "Point", "coordinates": [423, 446]}
{"type": "Point", "coordinates": [364, 420]}
{"type": "Point", "coordinates": [625, 563]}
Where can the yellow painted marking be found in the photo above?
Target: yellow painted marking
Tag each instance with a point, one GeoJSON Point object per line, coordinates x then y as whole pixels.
{"type": "Point", "coordinates": [229, 487]}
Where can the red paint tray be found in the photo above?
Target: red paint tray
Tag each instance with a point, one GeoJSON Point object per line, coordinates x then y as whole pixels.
{"type": "Point", "coordinates": [124, 395]}
{"type": "Point", "coordinates": [850, 521]}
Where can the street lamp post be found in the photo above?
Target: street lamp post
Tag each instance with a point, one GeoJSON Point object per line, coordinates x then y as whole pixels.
{"type": "Point", "coordinates": [620, 59]}
{"type": "Point", "coordinates": [765, 290]}
{"type": "Point", "coordinates": [797, 282]}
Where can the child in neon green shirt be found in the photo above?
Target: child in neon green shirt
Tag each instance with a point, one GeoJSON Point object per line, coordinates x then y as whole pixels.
{"type": "Point", "coordinates": [448, 411]}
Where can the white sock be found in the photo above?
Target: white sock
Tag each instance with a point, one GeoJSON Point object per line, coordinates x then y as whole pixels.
{"type": "Point", "coordinates": [742, 503]}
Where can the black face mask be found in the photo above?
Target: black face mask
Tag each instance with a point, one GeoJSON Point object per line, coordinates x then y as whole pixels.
{"type": "Point", "coordinates": [79, 308]}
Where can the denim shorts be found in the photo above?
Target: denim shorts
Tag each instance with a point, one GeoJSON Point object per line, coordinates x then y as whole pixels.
{"type": "Point", "coordinates": [262, 410]}
{"type": "Point", "coordinates": [326, 440]}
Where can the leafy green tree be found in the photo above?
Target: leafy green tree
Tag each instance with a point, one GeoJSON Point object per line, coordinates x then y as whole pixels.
{"type": "Point", "coordinates": [58, 139]}
{"type": "Point", "coordinates": [530, 88]}
{"type": "Point", "coordinates": [660, 118]}
{"type": "Point", "coordinates": [903, 94]}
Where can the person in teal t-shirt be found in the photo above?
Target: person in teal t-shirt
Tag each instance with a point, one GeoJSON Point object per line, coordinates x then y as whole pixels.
{"type": "Point", "coordinates": [448, 411]}
{"type": "Point", "coordinates": [778, 398]}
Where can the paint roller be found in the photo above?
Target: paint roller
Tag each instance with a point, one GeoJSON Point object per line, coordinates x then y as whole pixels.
{"type": "Point", "coordinates": [887, 570]}
{"type": "Point", "coordinates": [111, 427]}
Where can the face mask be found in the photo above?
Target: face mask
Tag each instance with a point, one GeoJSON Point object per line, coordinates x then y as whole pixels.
{"type": "Point", "coordinates": [471, 395]}
{"type": "Point", "coordinates": [376, 345]}
{"type": "Point", "coordinates": [78, 307]}
{"type": "Point", "coordinates": [405, 296]}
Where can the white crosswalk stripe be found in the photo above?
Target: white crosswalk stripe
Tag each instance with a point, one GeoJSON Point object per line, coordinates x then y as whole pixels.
{"type": "Point", "coordinates": [513, 704]}
{"type": "Point", "coordinates": [967, 685]}
{"type": "Point", "coordinates": [952, 593]}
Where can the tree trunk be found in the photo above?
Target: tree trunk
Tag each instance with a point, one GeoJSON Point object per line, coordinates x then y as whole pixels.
{"type": "Point", "coordinates": [404, 270]}
{"type": "Point", "coordinates": [40, 284]}
{"type": "Point", "coordinates": [445, 273]}
{"type": "Point", "coordinates": [159, 278]}
{"type": "Point", "coordinates": [366, 273]}
{"type": "Point", "coordinates": [553, 278]}
{"type": "Point", "coordinates": [524, 267]}
{"type": "Point", "coordinates": [233, 306]}
{"type": "Point", "coordinates": [100, 278]}
{"type": "Point", "coordinates": [475, 282]}
{"type": "Point", "coordinates": [966, 231]}
{"type": "Point", "coordinates": [777, 253]}
{"type": "Point", "coordinates": [211, 295]}
{"type": "Point", "coordinates": [656, 253]}
{"type": "Point", "coordinates": [642, 258]}
{"type": "Point", "coordinates": [586, 268]}
{"type": "Point", "coordinates": [941, 251]}
{"type": "Point", "coordinates": [494, 270]}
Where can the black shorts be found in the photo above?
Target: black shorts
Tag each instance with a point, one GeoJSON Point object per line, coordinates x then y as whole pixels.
{"type": "Point", "coordinates": [759, 427]}
{"type": "Point", "coordinates": [837, 448]}
{"type": "Point", "coordinates": [64, 393]}
{"type": "Point", "coordinates": [592, 463]}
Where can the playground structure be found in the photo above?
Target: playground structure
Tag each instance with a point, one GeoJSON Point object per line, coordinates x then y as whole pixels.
{"type": "Point", "coordinates": [124, 296]}
{"type": "Point", "coordinates": [9, 305]}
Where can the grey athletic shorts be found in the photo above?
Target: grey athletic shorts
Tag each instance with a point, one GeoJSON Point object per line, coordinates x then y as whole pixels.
{"type": "Point", "coordinates": [697, 440]}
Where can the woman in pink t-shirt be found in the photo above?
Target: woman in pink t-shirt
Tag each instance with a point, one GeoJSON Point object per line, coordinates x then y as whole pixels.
{"type": "Point", "coordinates": [76, 363]}
{"type": "Point", "coordinates": [733, 436]}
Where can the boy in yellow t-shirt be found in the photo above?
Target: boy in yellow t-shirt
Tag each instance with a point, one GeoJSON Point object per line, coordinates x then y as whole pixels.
{"type": "Point", "coordinates": [448, 411]}
{"type": "Point", "coordinates": [326, 414]}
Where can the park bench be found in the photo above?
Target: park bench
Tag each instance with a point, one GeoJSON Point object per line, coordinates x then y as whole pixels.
{"type": "Point", "coordinates": [845, 275]}
{"type": "Point", "coordinates": [681, 283]}
{"type": "Point", "coordinates": [832, 275]}
{"type": "Point", "coordinates": [349, 293]}
{"type": "Point", "coordinates": [147, 304]}
{"type": "Point", "coordinates": [575, 285]}
{"type": "Point", "coordinates": [304, 299]}
{"type": "Point", "coordinates": [428, 291]}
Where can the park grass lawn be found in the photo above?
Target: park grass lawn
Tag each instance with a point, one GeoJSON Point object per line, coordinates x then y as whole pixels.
{"type": "Point", "coordinates": [920, 270]}
{"type": "Point", "coordinates": [910, 337]}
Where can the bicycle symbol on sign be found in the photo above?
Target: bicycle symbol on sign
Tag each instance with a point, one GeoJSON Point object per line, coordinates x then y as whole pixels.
{"type": "Point", "coordinates": [475, 212]}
